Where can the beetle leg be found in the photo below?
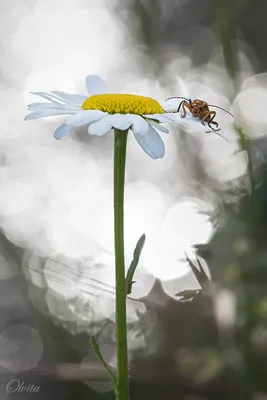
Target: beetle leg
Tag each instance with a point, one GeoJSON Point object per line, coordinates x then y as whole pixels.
{"type": "Point", "coordinates": [178, 109]}
{"type": "Point", "coordinates": [206, 116]}
{"type": "Point", "coordinates": [184, 104]}
{"type": "Point", "coordinates": [213, 122]}
{"type": "Point", "coordinates": [211, 115]}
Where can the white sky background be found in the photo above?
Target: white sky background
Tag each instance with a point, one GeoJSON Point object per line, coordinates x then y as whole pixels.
{"type": "Point", "coordinates": [56, 196]}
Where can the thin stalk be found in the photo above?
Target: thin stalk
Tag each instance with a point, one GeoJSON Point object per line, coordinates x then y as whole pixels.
{"type": "Point", "coordinates": [120, 142]}
{"type": "Point", "coordinates": [107, 368]}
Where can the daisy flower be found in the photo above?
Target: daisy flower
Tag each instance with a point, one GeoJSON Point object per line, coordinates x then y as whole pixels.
{"type": "Point", "coordinates": [103, 111]}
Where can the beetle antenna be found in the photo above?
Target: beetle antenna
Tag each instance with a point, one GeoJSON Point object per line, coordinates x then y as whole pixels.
{"type": "Point", "coordinates": [212, 105]}
{"type": "Point", "coordinates": [175, 97]}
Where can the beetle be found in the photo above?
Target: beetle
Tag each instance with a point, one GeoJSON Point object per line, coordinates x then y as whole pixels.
{"type": "Point", "coordinates": [199, 109]}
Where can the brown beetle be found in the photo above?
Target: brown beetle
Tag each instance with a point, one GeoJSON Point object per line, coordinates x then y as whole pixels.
{"type": "Point", "coordinates": [199, 109]}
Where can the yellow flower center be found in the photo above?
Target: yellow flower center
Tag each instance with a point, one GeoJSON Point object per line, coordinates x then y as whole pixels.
{"type": "Point", "coordinates": [122, 104]}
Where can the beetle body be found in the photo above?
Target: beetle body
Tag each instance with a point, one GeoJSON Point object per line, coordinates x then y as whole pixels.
{"type": "Point", "coordinates": [199, 109]}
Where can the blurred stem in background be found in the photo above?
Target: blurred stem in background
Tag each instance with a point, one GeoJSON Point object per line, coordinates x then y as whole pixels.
{"type": "Point", "coordinates": [224, 14]}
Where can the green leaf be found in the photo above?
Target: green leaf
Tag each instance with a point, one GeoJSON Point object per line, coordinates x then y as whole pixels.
{"type": "Point", "coordinates": [105, 365]}
{"type": "Point", "coordinates": [136, 256]}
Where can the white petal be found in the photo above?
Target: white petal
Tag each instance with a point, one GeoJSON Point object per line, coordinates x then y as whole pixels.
{"type": "Point", "coordinates": [38, 105]}
{"type": "Point", "coordinates": [34, 115]}
{"type": "Point", "coordinates": [74, 99]}
{"type": "Point", "coordinates": [85, 117]}
{"type": "Point", "coordinates": [158, 126]}
{"type": "Point", "coordinates": [46, 113]}
{"type": "Point", "coordinates": [62, 131]}
{"type": "Point", "coordinates": [167, 118]}
{"type": "Point", "coordinates": [48, 96]}
{"type": "Point", "coordinates": [171, 105]}
{"type": "Point", "coordinates": [120, 121]}
{"type": "Point", "coordinates": [61, 98]}
{"type": "Point", "coordinates": [151, 143]}
{"type": "Point", "coordinates": [65, 108]}
{"type": "Point", "coordinates": [117, 121]}
{"type": "Point", "coordinates": [95, 85]}
{"type": "Point", "coordinates": [100, 128]}
{"type": "Point", "coordinates": [174, 117]}
{"type": "Point", "coordinates": [219, 133]}
{"type": "Point", "coordinates": [194, 124]}
{"type": "Point", "coordinates": [139, 124]}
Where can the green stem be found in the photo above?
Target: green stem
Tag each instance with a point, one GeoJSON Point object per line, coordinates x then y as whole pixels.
{"type": "Point", "coordinates": [120, 142]}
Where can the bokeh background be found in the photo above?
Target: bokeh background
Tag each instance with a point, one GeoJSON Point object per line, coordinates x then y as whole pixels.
{"type": "Point", "coordinates": [205, 198]}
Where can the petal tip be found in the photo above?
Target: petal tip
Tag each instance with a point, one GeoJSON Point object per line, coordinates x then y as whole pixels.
{"type": "Point", "coordinates": [95, 85]}
{"type": "Point", "coordinates": [61, 131]}
{"type": "Point", "coordinates": [31, 116]}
